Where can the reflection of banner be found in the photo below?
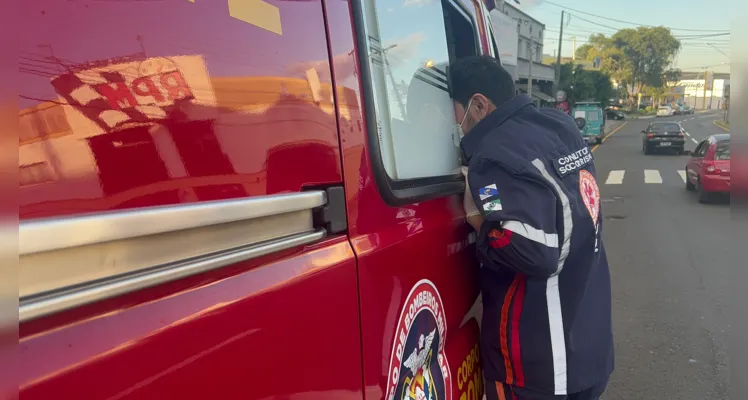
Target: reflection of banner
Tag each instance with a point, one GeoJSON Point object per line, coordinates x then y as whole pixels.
{"type": "Point", "coordinates": [105, 98]}
{"type": "Point", "coordinates": [505, 31]}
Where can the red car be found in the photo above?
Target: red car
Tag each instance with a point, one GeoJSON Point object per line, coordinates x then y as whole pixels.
{"type": "Point", "coordinates": [708, 170]}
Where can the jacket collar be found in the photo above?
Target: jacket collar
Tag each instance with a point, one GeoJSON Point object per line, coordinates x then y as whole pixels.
{"type": "Point", "coordinates": [473, 139]}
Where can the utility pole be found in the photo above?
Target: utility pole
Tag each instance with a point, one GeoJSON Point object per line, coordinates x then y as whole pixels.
{"type": "Point", "coordinates": [574, 48]}
{"type": "Point", "coordinates": [706, 76]}
{"type": "Point", "coordinates": [558, 56]}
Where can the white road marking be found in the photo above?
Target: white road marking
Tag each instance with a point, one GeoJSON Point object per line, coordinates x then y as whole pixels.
{"type": "Point", "coordinates": [682, 175]}
{"type": "Point", "coordinates": [694, 140]}
{"type": "Point", "coordinates": [687, 134]}
{"type": "Point", "coordinates": [652, 176]}
{"type": "Point", "coordinates": [615, 177]}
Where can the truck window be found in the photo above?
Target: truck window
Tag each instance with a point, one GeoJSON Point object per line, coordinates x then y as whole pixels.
{"type": "Point", "coordinates": [410, 116]}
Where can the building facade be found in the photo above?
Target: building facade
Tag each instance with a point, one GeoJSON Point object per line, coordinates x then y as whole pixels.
{"type": "Point", "coordinates": [696, 91]}
{"type": "Point", "coordinates": [528, 51]}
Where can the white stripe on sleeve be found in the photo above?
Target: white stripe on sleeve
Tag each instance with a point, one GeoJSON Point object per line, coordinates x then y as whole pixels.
{"type": "Point", "coordinates": [531, 233]}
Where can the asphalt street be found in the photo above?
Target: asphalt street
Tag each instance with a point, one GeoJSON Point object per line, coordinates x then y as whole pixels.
{"type": "Point", "coordinates": [670, 272]}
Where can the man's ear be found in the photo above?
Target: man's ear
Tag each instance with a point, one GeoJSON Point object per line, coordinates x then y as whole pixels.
{"type": "Point", "coordinates": [482, 106]}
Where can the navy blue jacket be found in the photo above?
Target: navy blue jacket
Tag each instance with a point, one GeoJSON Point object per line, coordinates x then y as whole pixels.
{"type": "Point", "coordinates": [545, 279]}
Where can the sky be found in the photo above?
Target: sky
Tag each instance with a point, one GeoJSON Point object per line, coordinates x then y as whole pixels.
{"type": "Point", "coordinates": [684, 17]}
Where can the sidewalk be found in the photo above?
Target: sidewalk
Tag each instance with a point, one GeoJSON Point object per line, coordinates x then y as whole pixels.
{"type": "Point", "coordinates": [611, 126]}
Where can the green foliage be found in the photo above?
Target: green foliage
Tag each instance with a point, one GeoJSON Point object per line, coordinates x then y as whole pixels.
{"type": "Point", "coordinates": [583, 85]}
{"type": "Point", "coordinates": [583, 52]}
{"type": "Point", "coordinates": [640, 57]}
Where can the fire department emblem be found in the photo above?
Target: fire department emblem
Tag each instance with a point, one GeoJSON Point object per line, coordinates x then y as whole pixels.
{"type": "Point", "coordinates": [590, 194]}
{"type": "Point", "coordinates": [418, 368]}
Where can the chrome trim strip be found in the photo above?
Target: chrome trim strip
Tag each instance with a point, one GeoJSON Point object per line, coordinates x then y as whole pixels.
{"type": "Point", "coordinates": [48, 234]}
{"type": "Point", "coordinates": [36, 307]}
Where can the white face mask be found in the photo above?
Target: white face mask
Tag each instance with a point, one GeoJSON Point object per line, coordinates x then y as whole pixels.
{"type": "Point", "coordinates": [460, 132]}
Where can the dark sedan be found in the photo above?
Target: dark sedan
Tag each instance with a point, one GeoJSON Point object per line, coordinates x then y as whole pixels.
{"type": "Point", "coordinates": [663, 136]}
{"type": "Point", "coordinates": [614, 114]}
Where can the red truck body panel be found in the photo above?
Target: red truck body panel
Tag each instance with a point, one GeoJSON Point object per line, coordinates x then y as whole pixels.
{"type": "Point", "coordinates": [129, 105]}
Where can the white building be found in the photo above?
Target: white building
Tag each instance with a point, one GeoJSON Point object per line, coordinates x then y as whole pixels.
{"type": "Point", "coordinates": [690, 90]}
{"type": "Point", "coordinates": [529, 46]}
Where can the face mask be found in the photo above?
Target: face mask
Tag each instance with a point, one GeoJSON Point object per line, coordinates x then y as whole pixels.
{"type": "Point", "coordinates": [460, 132]}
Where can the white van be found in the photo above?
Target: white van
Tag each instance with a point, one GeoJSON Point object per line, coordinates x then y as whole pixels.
{"type": "Point", "coordinates": [665, 111]}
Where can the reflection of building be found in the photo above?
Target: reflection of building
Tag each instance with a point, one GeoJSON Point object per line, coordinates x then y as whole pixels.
{"type": "Point", "coordinates": [530, 49]}
{"type": "Point", "coordinates": [213, 139]}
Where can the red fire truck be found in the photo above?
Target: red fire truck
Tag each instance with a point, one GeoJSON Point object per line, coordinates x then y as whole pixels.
{"type": "Point", "coordinates": [247, 199]}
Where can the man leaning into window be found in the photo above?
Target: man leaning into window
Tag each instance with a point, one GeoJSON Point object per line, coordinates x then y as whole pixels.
{"type": "Point", "coordinates": [532, 197]}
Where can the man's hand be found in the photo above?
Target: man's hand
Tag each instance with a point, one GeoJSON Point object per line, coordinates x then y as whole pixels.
{"type": "Point", "coordinates": [474, 217]}
{"type": "Point", "coordinates": [475, 221]}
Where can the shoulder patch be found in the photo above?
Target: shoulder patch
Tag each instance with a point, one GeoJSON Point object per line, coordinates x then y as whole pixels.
{"type": "Point", "coordinates": [489, 199]}
{"type": "Point", "coordinates": [590, 194]}
{"type": "Point", "coordinates": [488, 191]}
{"type": "Point", "coordinates": [573, 162]}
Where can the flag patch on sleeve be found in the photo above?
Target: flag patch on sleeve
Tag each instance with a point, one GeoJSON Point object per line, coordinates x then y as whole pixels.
{"type": "Point", "coordinates": [488, 191]}
{"type": "Point", "coordinates": [491, 206]}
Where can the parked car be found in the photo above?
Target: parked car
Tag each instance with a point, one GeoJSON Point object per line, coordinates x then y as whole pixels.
{"type": "Point", "coordinates": [665, 111]}
{"type": "Point", "coordinates": [615, 114]}
{"type": "Point", "coordinates": [663, 136]}
{"type": "Point", "coordinates": [686, 109]}
{"type": "Point", "coordinates": [590, 121]}
{"type": "Point", "coordinates": [708, 169]}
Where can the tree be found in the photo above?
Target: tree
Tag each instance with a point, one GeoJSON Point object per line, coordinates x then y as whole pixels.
{"type": "Point", "coordinates": [583, 52]}
{"type": "Point", "coordinates": [583, 85]}
{"type": "Point", "coordinates": [636, 58]}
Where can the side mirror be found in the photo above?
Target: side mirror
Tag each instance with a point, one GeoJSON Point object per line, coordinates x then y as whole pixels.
{"type": "Point", "coordinates": [644, 131]}
{"type": "Point", "coordinates": [687, 153]}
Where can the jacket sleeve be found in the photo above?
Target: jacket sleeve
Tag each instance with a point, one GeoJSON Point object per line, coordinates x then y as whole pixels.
{"type": "Point", "coordinates": [519, 228]}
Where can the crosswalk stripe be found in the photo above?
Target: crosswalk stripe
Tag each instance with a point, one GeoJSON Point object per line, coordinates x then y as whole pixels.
{"type": "Point", "coordinates": [652, 176]}
{"type": "Point", "coordinates": [615, 178]}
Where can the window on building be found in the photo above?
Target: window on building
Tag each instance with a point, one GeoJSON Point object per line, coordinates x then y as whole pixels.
{"type": "Point", "coordinates": [408, 53]}
{"type": "Point", "coordinates": [35, 173]}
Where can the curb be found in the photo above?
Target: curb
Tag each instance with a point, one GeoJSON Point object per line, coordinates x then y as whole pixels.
{"type": "Point", "coordinates": [721, 125]}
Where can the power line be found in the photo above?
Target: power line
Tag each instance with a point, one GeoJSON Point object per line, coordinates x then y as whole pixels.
{"type": "Point", "coordinates": [680, 37]}
{"type": "Point", "coordinates": [706, 66]}
{"type": "Point", "coordinates": [595, 23]}
{"type": "Point", "coordinates": [628, 22]}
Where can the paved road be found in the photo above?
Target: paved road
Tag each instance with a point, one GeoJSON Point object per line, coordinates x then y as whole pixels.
{"type": "Point", "coordinates": [670, 279]}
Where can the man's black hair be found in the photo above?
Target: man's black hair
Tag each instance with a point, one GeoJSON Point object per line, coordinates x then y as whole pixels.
{"type": "Point", "coordinates": [480, 74]}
